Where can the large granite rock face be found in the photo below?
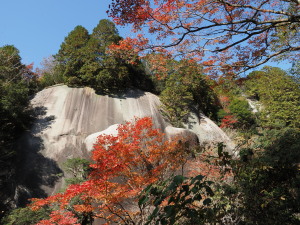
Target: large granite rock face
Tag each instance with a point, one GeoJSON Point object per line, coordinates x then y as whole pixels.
{"type": "Point", "coordinates": [67, 116]}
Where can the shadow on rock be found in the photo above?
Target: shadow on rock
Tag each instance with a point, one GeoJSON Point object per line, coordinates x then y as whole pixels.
{"type": "Point", "coordinates": [36, 174]}
{"type": "Point", "coordinates": [130, 93]}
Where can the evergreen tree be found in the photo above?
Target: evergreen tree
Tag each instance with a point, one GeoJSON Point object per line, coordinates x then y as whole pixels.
{"type": "Point", "coordinates": [105, 33]}
{"type": "Point", "coordinates": [14, 117]}
{"type": "Point", "coordinates": [111, 74]}
{"type": "Point", "coordinates": [71, 55]}
{"type": "Point", "coordinates": [177, 100]}
{"type": "Point", "coordinates": [187, 90]}
{"type": "Point", "coordinates": [10, 64]}
{"type": "Point", "coordinates": [83, 61]}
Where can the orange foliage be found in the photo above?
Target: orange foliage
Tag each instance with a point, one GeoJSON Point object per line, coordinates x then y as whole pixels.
{"type": "Point", "coordinates": [228, 121]}
{"type": "Point", "coordinates": [60, 217]}
{"type": "Point", "coordinates": [122, 167]}
{"type": "Point", "coordinates": [226, 36]}
{"type": "Point", "coordinates": [128, 48]}
{"type": "Point", "coordinates": [224, 100]}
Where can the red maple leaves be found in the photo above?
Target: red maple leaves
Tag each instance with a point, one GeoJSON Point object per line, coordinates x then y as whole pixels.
{"type": "Point", "coordinates": [122, 166]}
{"type": "Point", "coordinates": [60, 217]}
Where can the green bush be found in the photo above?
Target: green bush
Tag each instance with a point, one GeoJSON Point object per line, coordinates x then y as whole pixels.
{"type": "Point", "coordinates": [267, 179]}
{"type": "Point", "coordinates": [78, 170]}
{"type": "Point", "coordinates": [242, 111]}
{"type": "Point", "coordinates": [25, 216]}
{"type": "Point", "coordinates": [49, 79]}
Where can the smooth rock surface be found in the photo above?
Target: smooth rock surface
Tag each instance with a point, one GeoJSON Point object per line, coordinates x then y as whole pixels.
{"type": "Point", "coordinates": [170, 132]}
{"type": "Point", "coordinates": [67, 116]}
{"type": "Point", "coordinates": [208, 132]}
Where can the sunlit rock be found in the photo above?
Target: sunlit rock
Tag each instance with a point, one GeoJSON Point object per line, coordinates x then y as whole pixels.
{"type": "Point", "coordinates": [65, 117]}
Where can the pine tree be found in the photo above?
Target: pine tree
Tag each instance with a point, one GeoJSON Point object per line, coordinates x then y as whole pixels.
{"type": "Point", "coordinates": [10, 64]}
{"type": "Point", "coordinates": [177, 100]}
{"type": "Point", "coordinates": [105, 33]}
{"type": "Point", "coordinates": [71, 55]}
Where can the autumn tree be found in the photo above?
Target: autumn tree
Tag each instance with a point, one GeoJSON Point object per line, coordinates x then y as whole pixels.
{"type": "Point", "coordinates": [122, 166]}
{"type": "Point", "coordinates": [225, 36]}
{"type": "Point", "coordinates": [60, 217]}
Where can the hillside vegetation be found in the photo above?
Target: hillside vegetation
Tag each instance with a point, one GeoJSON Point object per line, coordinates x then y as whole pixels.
{"type": "Point", "coordinates": [133, 178]}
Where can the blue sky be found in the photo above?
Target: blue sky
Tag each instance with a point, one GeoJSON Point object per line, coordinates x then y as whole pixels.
{"type": "Point", "coordinates": [38, 27]}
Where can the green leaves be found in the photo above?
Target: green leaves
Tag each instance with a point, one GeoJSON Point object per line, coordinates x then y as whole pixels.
{"type": "Point", "coordinates": [10, 64]}
{"type": "Point", "coordinates": [14, 116]}
{"type": "Point", "coordinates": [279, 94]}
{"type": "Point", "coordinates": [187, 89]}
{"type": "Point", "coordinates": [83, 61]}
{"type": "Point", "coordinates": [143, 200]}
{"type": "Point", "coordinates": [241, 109]}
{"type": "Point", "coordinates": [267, 179]}
{"type": "Point", "coordinates": [71, 55]}
{"type": "Point", "coordinates": [178, 199]}
{"type": "Point", "coordinates": [78, 169]}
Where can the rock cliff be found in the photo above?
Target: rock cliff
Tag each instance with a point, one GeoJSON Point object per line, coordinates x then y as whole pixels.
{"type": "Point", "coordinates": [67, 116]}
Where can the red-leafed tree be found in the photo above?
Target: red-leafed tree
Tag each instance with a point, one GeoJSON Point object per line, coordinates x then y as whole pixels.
{"type": "Point", "coordinates": [61, 218]}
{"type": "Point", "coordinates": [225, 36]}
{"type": "Point", "coordinates": [122, 167]}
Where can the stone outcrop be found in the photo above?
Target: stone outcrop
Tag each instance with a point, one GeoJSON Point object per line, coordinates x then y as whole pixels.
{"type": "Point", "coordinates": [67, 116]}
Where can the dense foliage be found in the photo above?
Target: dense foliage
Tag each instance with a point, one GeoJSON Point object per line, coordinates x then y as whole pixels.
{"type": "Point", "coordinates": [279, 95]}
{"type": "Point", "coordinates": [25, 216]}
{"type": "Point", "coordinates": [263, 188]}
{"type": "Point", "coordinates": [17, 82]}
{"type": "Point", "coordinates": [122, 166]}
{"type": "Point", "coordinates": [187, 90]}
{"type": "Point", "coordinates": [179, 200]}
{"type": "Point", "coordinates": [82, 60]}
{"type": "Point", "coordinates": [266, 185]}
{"type": "Point", "coordinates": [77, 170]}
{"type": "Point", "coordinates": [133, 177]}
